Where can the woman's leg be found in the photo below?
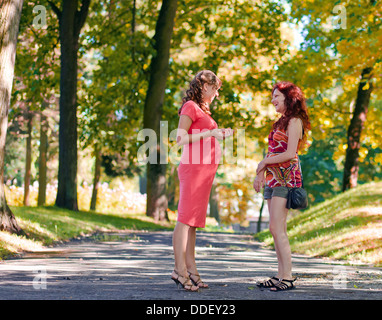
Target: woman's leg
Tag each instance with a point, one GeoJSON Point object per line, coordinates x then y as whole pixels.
{"type": "Point", "coordinates": [277, 227]}
{"type": "Point", "coordinates": [190, 251]}
{"type": "Point", "coordinates": [190, 259]}
{"type": "Point", "coordinates": [271, 218]}
{"type": "Point", "coordinates": [179, 243]}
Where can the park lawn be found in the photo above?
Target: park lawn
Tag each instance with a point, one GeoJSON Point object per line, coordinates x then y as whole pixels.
{"type": "Point", "coordinates": [44, 226]}
{"type": "Point", "coordinates": [345, 227]}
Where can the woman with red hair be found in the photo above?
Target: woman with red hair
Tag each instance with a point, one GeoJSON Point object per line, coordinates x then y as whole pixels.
{"type": "Point", "coordinates": [279, 171]}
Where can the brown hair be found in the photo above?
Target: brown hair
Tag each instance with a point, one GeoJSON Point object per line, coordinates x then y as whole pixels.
{"type": "Point", "coordinates": [295, 107]}
{"type": "Point", "coordinates": [194, 92]}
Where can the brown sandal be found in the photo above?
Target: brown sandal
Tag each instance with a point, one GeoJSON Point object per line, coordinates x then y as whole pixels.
{"type": "Point", "coordinates": [198, 282]}
{"type": "Point", "coordinates": [185, 282]}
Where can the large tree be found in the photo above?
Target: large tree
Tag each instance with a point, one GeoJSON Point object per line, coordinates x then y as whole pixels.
{"type": "Point", "coordinates": [71, 20]}
{"type": "Point", "coordinates": [338, 66]}
{"type": "Point", "coordinates": [10, 13]}
{"type": "Point", "coordinates": [153, 109]}
{"type": "Point", "coordinates": [355, 128]}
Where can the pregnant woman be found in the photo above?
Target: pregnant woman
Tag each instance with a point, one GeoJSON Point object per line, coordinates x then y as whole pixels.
{"type": "Point", "coordinates": [197, 132]}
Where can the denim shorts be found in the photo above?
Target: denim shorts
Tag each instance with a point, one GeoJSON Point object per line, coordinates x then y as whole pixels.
{"type": "Point", "coordinates": [275, 192]}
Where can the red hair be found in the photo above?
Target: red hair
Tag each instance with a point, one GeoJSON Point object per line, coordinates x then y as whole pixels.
{"type": "Point", "coordinates": [295, 106]}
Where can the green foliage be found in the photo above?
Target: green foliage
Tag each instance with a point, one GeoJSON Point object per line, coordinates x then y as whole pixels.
{"type": "Point", "coordinates": [118, 50]}
{"type": "Point", "coordinates": [37, 69]}
{"type": "Point", "coordinates": [322, 175]}
{"type": "Point", "coordinates": [340, 39]}
{"type": "Point", "coordinates": [247, 43]}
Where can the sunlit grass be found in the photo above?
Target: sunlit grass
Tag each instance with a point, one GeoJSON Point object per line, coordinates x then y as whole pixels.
{"type": "Point", "coordinates": [347, 227]}
{"type": "Point", "coordinates": [109, 200]}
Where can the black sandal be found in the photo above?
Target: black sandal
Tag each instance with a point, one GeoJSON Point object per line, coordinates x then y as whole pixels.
{"type": "Point", "coordinates": [184, 282]}
{"type": "Point", "coordinates": [283, 286]}
{"type": "Point", "coordinates": [198, 282]}
{"type": "Point", "coordinates": [268, 283]}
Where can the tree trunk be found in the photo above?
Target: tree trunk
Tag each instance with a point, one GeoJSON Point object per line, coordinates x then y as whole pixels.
{"type": "Point", "coordinates": [42, 168]}
{"type": "Point", "coordinates": [260, 216]}
{"type": "Point", "coordinates": [71, 21]}
{"type": "Point", "coordinates": [28, 161]}
{"type": "Point", "coordinates": [259, 219]}
{"type": "Point", "coordinates": [156, 173]}
{"type": "Point", "coordinates": [351, 167]}
{"type": "Point", "coordinates": [214, 203]}
{"type": "Point", "coordinates": [10, 13]}
{"type": "Point", "coordinates": [97, 175]}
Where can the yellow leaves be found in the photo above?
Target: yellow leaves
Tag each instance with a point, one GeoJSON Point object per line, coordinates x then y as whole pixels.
{"type": "Point", "coordinates": [340, 152]}
{"type": "Point", "coordinates": [366, 86]}
{"type": "Point", "coordinates": [343, 147]}
{"type": "Point", "coordinates": [363, 153]}
{"type": "Point", "coordinates": [234, 200]}
{"type": "Point", "coordinates": [378, 158]}
{"type": "Point", "coordinates": [325, 122]}
{"type": "Point", "coordinates": [325, 100]}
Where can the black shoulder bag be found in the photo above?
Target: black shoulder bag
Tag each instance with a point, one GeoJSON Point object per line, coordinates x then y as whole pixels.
{"type": "Point", "coordinates": [297, 197]}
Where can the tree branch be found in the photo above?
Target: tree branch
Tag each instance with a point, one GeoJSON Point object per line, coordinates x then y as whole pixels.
{"type": "Point", "coordinates": [55, 10]}
{"type": "Point", "coordinates": [81, 15]}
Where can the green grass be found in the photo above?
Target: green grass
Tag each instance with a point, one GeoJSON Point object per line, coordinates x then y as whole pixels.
{"type": "Point", "coordinates": [345, 227]}
{"type": "Point", "coordinates": [44, 226]}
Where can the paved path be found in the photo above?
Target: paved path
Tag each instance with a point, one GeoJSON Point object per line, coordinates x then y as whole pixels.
{"type": "Point", "coordinates": [137, 266]}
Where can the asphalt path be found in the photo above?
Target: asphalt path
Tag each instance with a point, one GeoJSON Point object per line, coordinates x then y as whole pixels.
{"type": "Point", "coordinates": [137, 266]}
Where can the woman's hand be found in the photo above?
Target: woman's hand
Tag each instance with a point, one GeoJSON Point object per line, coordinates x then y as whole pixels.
{"type": "Point", "coordinates": [228, 132]}
{"type": "Point", "coordinates": [221, 134]}
{"type": "Point", "coordinates": [217, 133]}
{"type": "Point", "coordinates": [259, 182]}
{"type": "Point", "coordinates": [261, 166]}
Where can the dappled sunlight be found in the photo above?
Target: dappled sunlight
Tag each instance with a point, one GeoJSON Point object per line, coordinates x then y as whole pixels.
{"type": "Point", "coordinates": [35, 230]}
{"type": "Point", "coordinates": [109, 200]}
{"type": "Point", "coordinates": [16, 244]}
{"type": "Point", "coordinates": [368, 211]}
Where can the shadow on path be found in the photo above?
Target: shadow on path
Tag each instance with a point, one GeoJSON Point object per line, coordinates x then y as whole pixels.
{"type": "Point", "coordinates": [137, 266]}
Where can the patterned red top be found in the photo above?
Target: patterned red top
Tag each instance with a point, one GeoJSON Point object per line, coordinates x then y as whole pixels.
{"type": "Point", "coordinates": [278, 143]}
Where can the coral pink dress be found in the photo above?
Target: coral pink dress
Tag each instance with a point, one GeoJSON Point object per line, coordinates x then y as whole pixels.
{"type": "Point", "coordinates": [197, 168]}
